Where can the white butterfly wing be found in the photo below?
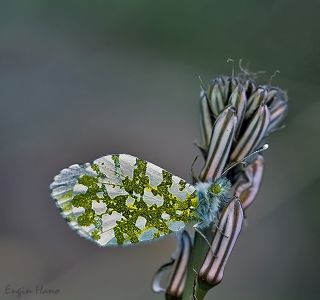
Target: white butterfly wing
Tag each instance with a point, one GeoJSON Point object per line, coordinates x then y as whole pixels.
{"type": "Point", "coordinates": [120, 199]}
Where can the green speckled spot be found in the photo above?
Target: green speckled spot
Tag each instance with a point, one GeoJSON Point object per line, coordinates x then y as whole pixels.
{"type": "Point", "coordinates": [71, 218]}
{"type": "Point", "coordinates": [116, 161]}
{"type": "Point", "coordinates": [139, 181]}
{"type": "Point", "coordinates": [88, 181]}
{"type": "Point", "coordinates": [66, 207]}
{"type": "Point", "coordinates": [87, 218]}
{"type": "Point", "coordinates": [85, 200]}
{"type": "Point", "coordinates": [66, 195]}
{"type": "Point", "coordinates": [119, 235]}
{"type": "Point", "coordinates": [95, 234]}
{"type": "Point", "coordinates": [95, 168]}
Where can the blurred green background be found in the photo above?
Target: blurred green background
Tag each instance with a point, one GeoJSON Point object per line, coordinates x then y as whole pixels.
{"type": "Point", "coordinates": [81, 79]}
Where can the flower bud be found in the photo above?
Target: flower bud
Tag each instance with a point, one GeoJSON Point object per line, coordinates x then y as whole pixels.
{"type": "Point", "coordinates": [278, 112]}
{"type": "Point", "coordinates": [220, 144]}
{"type": "Point", "coordinates": [229, 227]}
{"type": "Point", "coordinates": [253, 134]}
{"type": "Point", "coordinates": [247, 185]}
{"type": "Point", "coordinates": [178, 267]}
{"type": "Point", "coordinates": [236, 117]}
{"type": "Point", "coordinates": [205, 122]}
{"type": "Point", "coordinates": [217, 102]}
{"type": "Point", "coordinates": [238, 100]}
{"type": "Point", "coordinates": [255, 100]}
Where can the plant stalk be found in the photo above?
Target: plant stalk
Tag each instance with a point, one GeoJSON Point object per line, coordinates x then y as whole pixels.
{"type": "Point", "coordinates": [193, 288]}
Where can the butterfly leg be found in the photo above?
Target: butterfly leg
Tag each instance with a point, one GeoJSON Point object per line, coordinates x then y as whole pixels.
{"type": "Point", "coordinates": [220, 230]}
{"type": "Point", "coordinates": [197, 229]}
{"type": "Point", "coordinates": [195, 285]}
{"type": "Point", "coordinates": [216, 223]}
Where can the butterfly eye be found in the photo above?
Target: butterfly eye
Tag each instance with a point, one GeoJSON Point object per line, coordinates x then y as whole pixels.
{"type": "Point", "coordinates": [215, 189]}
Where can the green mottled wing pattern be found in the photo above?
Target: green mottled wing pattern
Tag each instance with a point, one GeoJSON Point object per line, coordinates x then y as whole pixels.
{"type": "Point", "coordinates": [120, 199]}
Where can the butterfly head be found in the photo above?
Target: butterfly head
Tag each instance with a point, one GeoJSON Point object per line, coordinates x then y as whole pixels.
{"type": "Point", "coordinates": [220, 188]}
{"type": "Point", "coordinates": [215, 189]}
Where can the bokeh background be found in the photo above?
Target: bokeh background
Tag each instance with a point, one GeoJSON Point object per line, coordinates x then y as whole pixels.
{"type": "Point", "coordinates": [81, 79]}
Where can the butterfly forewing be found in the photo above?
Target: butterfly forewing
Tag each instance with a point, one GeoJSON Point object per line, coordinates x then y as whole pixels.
{"type": "Point", "coordinates": [120, 199]}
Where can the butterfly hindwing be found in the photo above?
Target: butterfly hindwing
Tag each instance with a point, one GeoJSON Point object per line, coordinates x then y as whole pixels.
{"type": "Point", "coordinates": [120, 199]}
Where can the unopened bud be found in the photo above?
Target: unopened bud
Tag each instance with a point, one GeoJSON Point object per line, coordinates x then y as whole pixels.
{"type": "Point", "coordinates": [229, 227]}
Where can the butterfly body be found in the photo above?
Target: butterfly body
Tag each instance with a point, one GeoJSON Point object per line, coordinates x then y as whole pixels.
{"type": "Point", "coordinates": [120, 199]}
{"type": "Point", "coordinates": [212, 198]}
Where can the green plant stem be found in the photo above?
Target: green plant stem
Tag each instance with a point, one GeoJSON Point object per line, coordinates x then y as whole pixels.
{"type": "Point", "coordinates": [197, 256]}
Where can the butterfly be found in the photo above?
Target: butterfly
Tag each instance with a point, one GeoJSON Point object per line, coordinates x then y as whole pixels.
{"type": "Point", "coordinates": [120, 199]}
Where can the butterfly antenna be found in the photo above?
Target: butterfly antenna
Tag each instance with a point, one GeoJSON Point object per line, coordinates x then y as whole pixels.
{"type": "Point", "coordinates": [263, 148]}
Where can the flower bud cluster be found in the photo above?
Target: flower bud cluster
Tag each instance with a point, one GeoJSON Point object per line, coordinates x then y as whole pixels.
{"type": "Point", "coordinates": [236, 116]}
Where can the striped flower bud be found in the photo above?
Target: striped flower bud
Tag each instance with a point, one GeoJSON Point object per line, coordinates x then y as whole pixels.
{"type": "Point", "coordinates": [246, 97]}
{"type": "Point", "coordinates": [220, 144]}
{"type": "Point", "coordinates": [236, 116]}
{"type": "Point", "coordinates": [248, 183]}
{"type": "Point", "coordinates": [238, 100]}
{"type": "Point", "coordinates": [278, 112]}
{"type": "Point", "coordinates": [227, 232]}
{"type": "Point", "coordinates": [253, 135]}
{"type": "Point", "coordinates": [178, 266]}
{"type": "Point", "coordinates": [256, 99]}
{"type": "Point", "coordinates": [216, 99]}
{"type": "Point", "coordinates": [206, 121]}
